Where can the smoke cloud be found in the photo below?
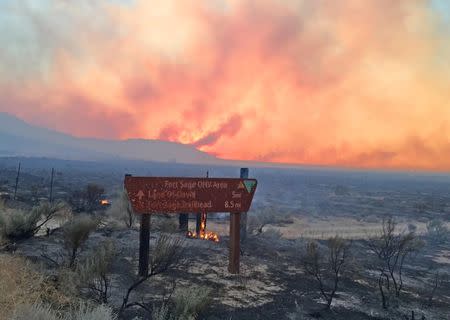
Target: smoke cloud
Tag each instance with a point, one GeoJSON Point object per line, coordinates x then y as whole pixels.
{"type": "Point", "coordinates": [348, 83]}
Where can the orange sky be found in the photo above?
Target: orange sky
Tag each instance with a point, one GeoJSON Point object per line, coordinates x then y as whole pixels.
{"type": "Point", "coordinates": [344, 83]}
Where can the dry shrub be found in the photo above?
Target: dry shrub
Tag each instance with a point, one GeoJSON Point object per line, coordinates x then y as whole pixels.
{"type": "Point", "coordinates": [437, 231]}
{"type": "Point", "coordinates": [19, 284]}
{"type": "Point", "coordinates": [191, 301]}
{"type": "Point", "coordinates": [35, 311]}
{"type": "Point", "coordinates": [392, 249]}
{"type": "Point", "coordinates": [257, 221]}
{"type": "Point", "coordinates": [83, 311]}
{"type": "Point", "coordinates": [185, 304]}
{"type": "Point", "coordinates": [95, 270]}
{"type": "Point", "coordinates": [298, 314]}
{"type": "Point", "coordinates": [122, 211]}
{"type": "Point", "coordinates": [166, 224]}
{"type": "Point", "coordinates": [273, 234]}
{"type": "Point", "coordinates": [76, 232]}
{"type": "Point", "coordinates": [327, 266]}
{"type": "Point", "coordinates": [87, 312]}
{"type": "Point", "coordinates": [19, 224]}
{"type": "Point", "coordinates": [22, 284]}
{"type": "Point", "coordinates": [165, 255]}
{"type": "Point", "coordinates": [69, 281]}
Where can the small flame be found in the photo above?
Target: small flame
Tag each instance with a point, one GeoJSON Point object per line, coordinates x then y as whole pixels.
{"type": "Point", "coordinates": [203, 234]}
{"type": "Point", "coordinates": [104, 202]}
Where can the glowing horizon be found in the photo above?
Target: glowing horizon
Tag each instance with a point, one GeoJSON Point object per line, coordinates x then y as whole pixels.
{"type": "Point", "coordinates": [362, 84]}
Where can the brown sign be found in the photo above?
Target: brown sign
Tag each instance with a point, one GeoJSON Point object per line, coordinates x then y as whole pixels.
{"type": "Point", "coordinates": [189, 195]}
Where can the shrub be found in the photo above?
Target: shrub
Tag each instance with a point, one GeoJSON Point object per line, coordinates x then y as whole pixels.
{"type": "Point", "coordinates": [18, 224]}
{"type": "Point", "coordinates": [258, 220]}
{"type": "Point", "coordinates": [163, 313]}
{"type": "Point", "coordinates": [341, 190]}
{"type": "Point", "coordinates": [21, 284]}
{"type": "Point", "coordinates": [34, 312]}
{"type": "Point", "coordinates": [189, 302]}
{"type": "Point", "coordinates": [327, 269]}
{"type": "Point", "coordinates": [391, 250]}
{"type": "Point", "coordinates": [76, 232]}
{"type": "Point", "coordinates": [273, 234]}
{"type": "Point", "coordinates": [88, 199]}
{"type": "Point", "coordinates": [95, 270]}
{"type": "Point", "coordinates": [121, 210]}
{"type": "Point", "coordinates": [165, 255]}
{"type": "Point", "coordinates": [92, 196]}
{"type": "Point", "coordinates": [298, 313]}
{"type": "Point", "coordinates": [185, 304]}
{"type": "Point", "coordinates": [165, 224]}
{"type": "Point", "coordinates": [437, 231]}
{"type": "Point", "coordinates": [69, 281]}
{"type": "Point", "coordinates": [87, 312]}
{"type": "Point", "coordinates": [83, 311]}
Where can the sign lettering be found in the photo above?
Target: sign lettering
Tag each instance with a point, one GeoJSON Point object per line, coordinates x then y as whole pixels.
{"type": "Point", "coordinates": [184, 195]}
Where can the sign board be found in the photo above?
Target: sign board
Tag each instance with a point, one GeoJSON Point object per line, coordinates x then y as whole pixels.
{"type": "Point", "coordinates": [189, 195]}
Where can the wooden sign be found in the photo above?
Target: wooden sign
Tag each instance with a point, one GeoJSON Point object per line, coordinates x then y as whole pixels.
{"type": "Point", "coordinates": [189, 195]}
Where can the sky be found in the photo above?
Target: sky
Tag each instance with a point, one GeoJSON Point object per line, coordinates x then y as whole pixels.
{"type": "Point", "coordinates": [348, 83]}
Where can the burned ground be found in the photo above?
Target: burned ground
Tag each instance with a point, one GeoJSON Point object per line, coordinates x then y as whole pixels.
{"type": "Point", "coordinates": [272, 281]}
{"type": "Point", "coordinates": [302, 205]}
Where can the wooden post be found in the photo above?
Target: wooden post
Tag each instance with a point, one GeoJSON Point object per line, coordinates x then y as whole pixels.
{"type": "Point", "coordinates": [243, 228]}
{"type": "Point", "coordinates": [50, 198]}
{"type": "Point", "coordinates": [199, 216]}
{"type": "Point", "coordinates": [198, 222]}
{"type": "Point", "coordinates": [233, 266]}
{"type": "Point", "coordinates": [144, 245]}
{"type": "Point", "coordinates": [183, 222]}
{"type": "Point", "coordinates": [17, 182]}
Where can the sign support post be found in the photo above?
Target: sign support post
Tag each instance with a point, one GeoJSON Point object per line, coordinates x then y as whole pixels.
{"type": "Point", "coordinates": [235, 248]}
{"type": "Point", "coordinates": [198, 221]}
{"type": "Point", "coordinates": [184, 222]}
{"type": "Point", "coordinates": [243, 227]}
{"type": "Point", "coordinates": [144, 245]}
{"type": "Point", "coordinates": [149, 195]}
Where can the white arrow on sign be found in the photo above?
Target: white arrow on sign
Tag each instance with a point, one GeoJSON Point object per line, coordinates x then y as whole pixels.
{"type": "Point", "coordinates": [140, 195]}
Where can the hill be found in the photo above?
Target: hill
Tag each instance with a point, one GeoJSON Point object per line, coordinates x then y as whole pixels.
{"type": "Point", "coordinates": [18, 138]}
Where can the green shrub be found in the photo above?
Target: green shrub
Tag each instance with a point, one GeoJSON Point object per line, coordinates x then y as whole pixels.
{"type": "Point", "coordinates": [76, 232]}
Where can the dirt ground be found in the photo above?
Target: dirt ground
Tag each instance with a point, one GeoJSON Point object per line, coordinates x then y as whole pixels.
{"type": "Point", "coordinates": [272, 283]}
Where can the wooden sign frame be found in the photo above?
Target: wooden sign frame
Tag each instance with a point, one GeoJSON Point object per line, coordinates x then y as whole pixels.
{"type": "Point", "coordinates": [181, 195]}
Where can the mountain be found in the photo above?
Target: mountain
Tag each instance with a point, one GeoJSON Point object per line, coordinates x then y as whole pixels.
{"type": "Point", "coordinates": [18, 138]}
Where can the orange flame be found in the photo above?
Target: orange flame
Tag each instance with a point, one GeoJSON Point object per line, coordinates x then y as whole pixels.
{"type": "Point", "coordinates": [203, 234]}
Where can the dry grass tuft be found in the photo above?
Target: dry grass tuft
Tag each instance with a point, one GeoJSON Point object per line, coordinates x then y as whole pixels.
{"type": "Point", "coordinates": [19, 284]}
{"type": "Point", "coordinates": [22, 284]}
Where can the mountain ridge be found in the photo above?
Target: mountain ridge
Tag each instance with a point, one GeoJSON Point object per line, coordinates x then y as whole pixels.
{"type": "Point", "coordinates": [19, 138]}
